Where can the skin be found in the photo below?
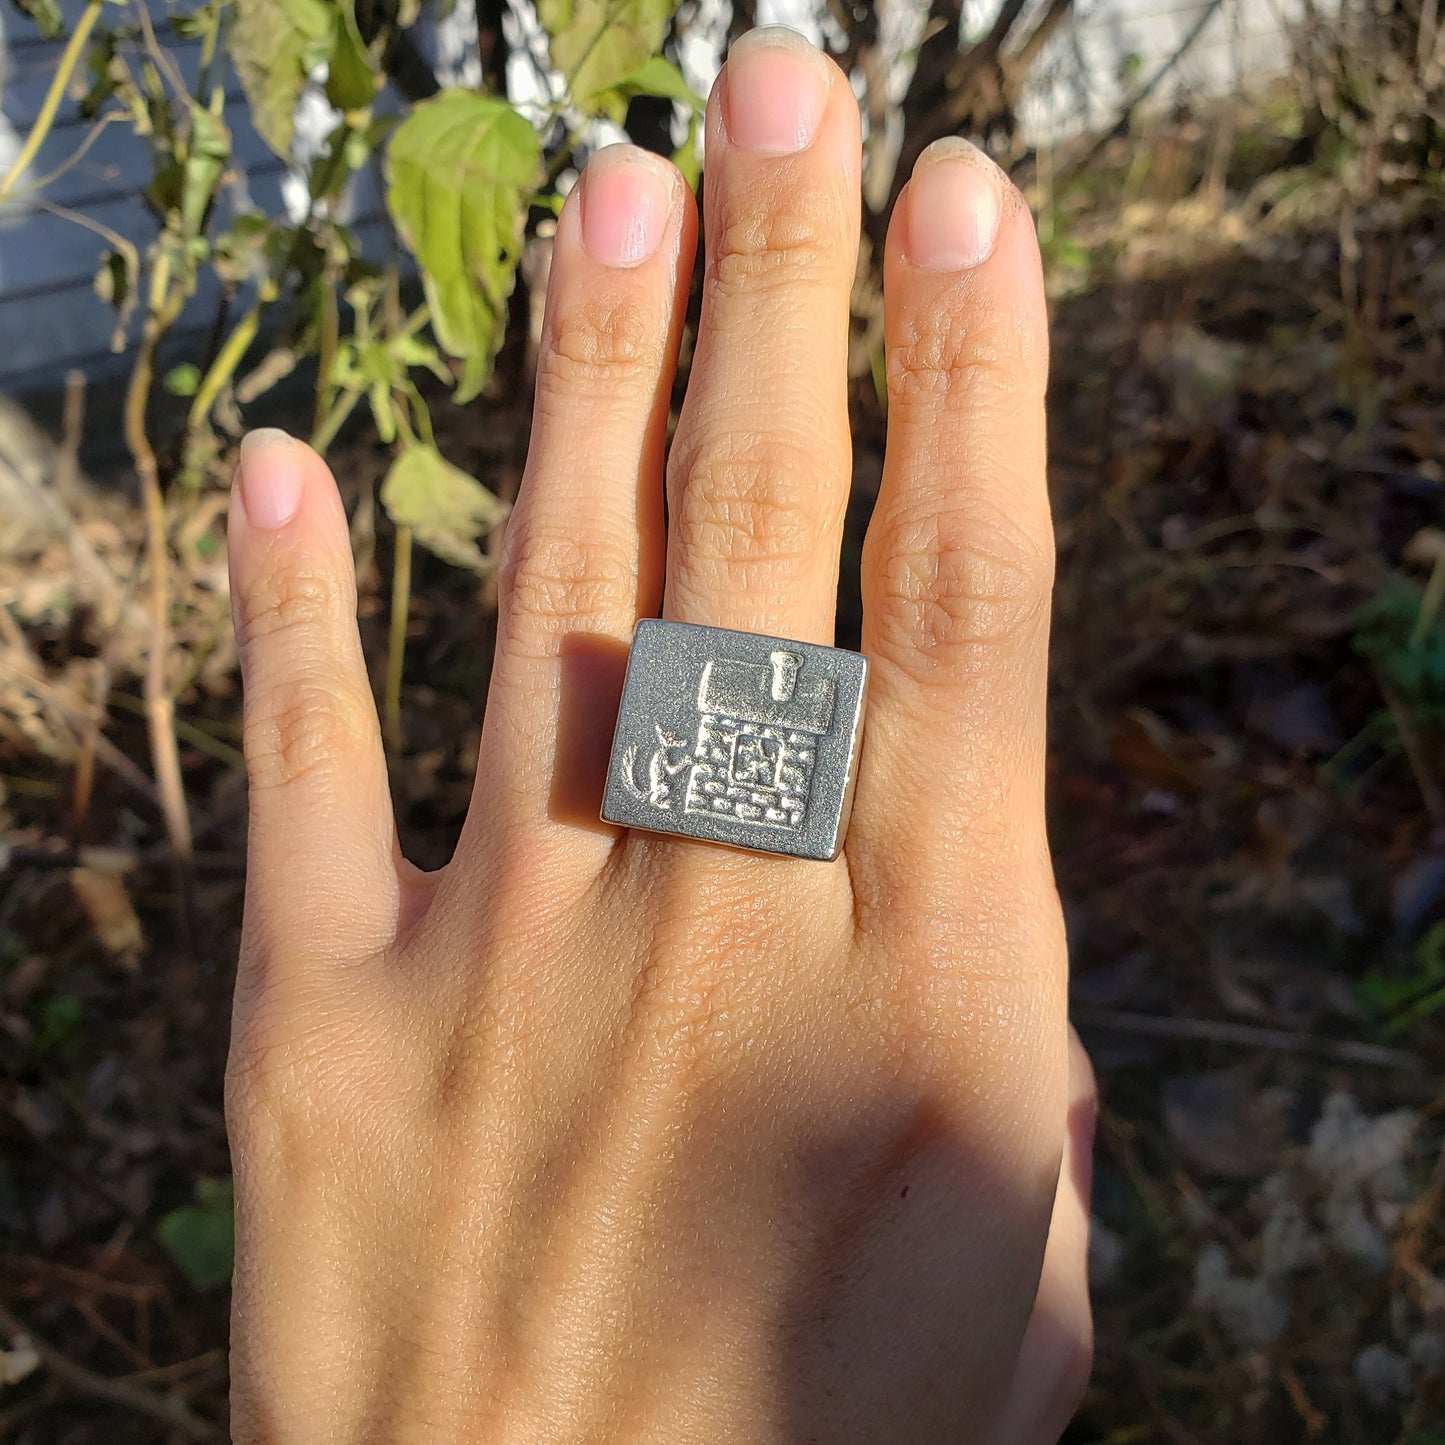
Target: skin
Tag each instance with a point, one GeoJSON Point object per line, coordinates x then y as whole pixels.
{"type": "Point", "coordinates": [600, 1136]}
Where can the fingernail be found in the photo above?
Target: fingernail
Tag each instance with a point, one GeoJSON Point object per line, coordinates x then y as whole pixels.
{"type": "Point", "coordinates": [270, 478]}
{"type": "Point", "coordinates": [953, 206]}
{"type": "Point", "coordinates": [627, 197]}
{"type": "Point", "coordinates": [775, 91]}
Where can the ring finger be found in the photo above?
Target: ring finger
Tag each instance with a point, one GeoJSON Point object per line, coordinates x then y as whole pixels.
{"type": "Point", "coordinates": [758, 478]}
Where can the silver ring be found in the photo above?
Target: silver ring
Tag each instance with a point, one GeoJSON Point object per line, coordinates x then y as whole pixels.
{"type": "Point", "coordinates": [735, 738]}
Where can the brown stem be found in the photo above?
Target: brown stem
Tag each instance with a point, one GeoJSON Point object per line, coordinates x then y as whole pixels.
{"type": "Point", "coordinates": [59, 83]}
{"type": "Point", "coordinates": [1137, 97]}
{"type": "Point", "coordinates": [956, 88]}
{"type": "Point", "coordinates": [396, 640]}
{"type": "Point", "coordinates": [1022, 58]}
{"type": "Point", "coordinates": [160, 710]}
{"type": "Point", "coordinates": [326, 360]}
{"type": "Point", "coordinates": [176, 1416]}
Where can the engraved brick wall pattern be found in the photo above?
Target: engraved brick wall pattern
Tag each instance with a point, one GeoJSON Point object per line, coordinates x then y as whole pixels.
{"type": "Point", "coordinates": [712, 789]}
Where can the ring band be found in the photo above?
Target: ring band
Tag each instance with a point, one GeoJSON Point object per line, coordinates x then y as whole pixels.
{"type": "Point", "coordinates": [735, 738]}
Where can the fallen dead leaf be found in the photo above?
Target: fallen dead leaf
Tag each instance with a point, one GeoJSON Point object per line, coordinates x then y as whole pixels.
{"type": "Point", "coordinates": [18, 1362]}
{"type": "Point", "coordinates": [112, 915]}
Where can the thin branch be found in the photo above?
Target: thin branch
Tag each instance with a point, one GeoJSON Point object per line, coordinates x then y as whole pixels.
{"type": "Point", "coordinates": [160, 710]}
{"type": "Point", "coordinates": [23, 664]}
{"type": "Point", "coordinates": [1143, 92]}
{"type": "Point", "coordinates": [125, 249]}
{"type": "Point", "coordinates": [92, 135]}
{"type": "Point", "coordinates": [106, 233]}
{"type": "Point", "coordinates": [396, 637]}
{"type": "Point", "coordinates": [59, 83]}
{"type": "Point", "coordinates": [1411, 742]}
{"type": "Point", "coordinates": [958, 92]}
{"type": "Point", "coordinates": [161, 58]}
{"type": "Point", "coordinates": [165, 1410]}
{"type": "Point", "coordinates": [1246, 1036]}
{"type": "Point", "coordinates": [1022, 58]}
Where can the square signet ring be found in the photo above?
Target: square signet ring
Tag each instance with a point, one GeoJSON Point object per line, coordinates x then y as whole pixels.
{"type": "Point", "coordinates": [735, 738]}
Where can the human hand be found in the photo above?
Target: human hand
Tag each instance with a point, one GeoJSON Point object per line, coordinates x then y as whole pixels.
{"type": "Point", "coordinates": [596, 1135]}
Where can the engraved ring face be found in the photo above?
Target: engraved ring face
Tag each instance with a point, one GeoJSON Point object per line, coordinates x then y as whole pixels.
{"type": "Point", "coordinates": [736, 738]}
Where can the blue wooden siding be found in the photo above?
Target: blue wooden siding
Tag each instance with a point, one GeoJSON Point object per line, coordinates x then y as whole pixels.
{"type": "Point", "coordinates": [50, 318]}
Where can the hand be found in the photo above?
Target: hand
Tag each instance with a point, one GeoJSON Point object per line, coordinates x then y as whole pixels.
{"type": "Point", "coordinates": [599, 1136]}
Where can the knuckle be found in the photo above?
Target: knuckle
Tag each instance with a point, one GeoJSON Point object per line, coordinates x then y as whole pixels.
{"type": "Point", "coordinates": [760, 240]}
{"type": "Point", "coordinates": [599, 340]}
{"type": "Point", "coordinates": [952, 582]}
{"type": "Point", "coordinates": [304, 724]}
{"type": "Point", "coordinates": [747, 503]}
{"type": "Point", "coordinates": [960, 355]}
{"type": "Point", "coordinates": [273, 1080]}
{"type": "Point", "coordinates": [552, 577]}
{"type": "Point", "coordinates": [290, 602]}
{"type": "Point", "coordinates": [295, 1075]}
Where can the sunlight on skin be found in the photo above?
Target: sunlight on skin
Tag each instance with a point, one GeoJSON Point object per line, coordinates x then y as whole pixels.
{"type": "Point", "coordinates": [599, 1136]}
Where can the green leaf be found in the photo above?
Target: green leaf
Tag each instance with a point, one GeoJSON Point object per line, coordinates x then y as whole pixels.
{"type": "Point", "coordinates": [45, 14]}
{"type": "Point", "coordinates": [182, 380]}
{"type": "Point", "coordinates": [599, 44]}
{"type": "Point", "coordinates": [446, 509]}
{"type": "Point", "coordinates": [58, 1023]}
{"type": "Point", "coordinates": [460, 167]}
{"type": "Point", "coordinates": [659, 76]}
{"type": "Point", "coordinates": [350, 79]}
{"type": "Point", "coordinates": [1410, 651]}
{"type": "Point", "coordinates": [686, 157]}
{"type": "Point", "coordinates": [115, 281]}
{"type": "Point", "coordinates": [206, 155]}
{"type": "Point", "coordinates": [1399, 1000]}
{"type": "Point", "coordinates": [201, 1237]}
{"type": "Point", "coordinates": [190, 27]}
{"type": "Point", "coordinates": [275, 44]}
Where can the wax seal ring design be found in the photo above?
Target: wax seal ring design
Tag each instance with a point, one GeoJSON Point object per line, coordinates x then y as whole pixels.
{"type": "Point", "coordinates": [736, 738]}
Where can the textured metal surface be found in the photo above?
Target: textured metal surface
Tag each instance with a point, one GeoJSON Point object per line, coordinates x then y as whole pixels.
{"type": "Point", "coordinates": [736, 738]}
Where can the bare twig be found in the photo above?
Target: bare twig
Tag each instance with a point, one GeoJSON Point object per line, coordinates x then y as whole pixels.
{"type": "Point", "coordinates": [396, 639]}
{"type": "Point", "coordinates": [1430, 793]}
{"type": "Point", "coordinates": [165, 1410]}
{"type": "Point", "coordinates": [165, 757]}
{"type": "Point", "coordinates": [75, 158]}
{"type": "Point", "coordinates": [72, 430]}
{"type": "Point", "coordinates": [1141, 93]}
{"type": "Point", "coordinates": [59, 82]}
{"type": "Point", "coordinates": [160, 57]}
{"type": "Point", "coordinates": [126, 250]}
{"type": "Point", "coordinates": [75, 715]}
{"type": "Point", "coordinates": [955, 83]}
{"type": "Point", "coordinates": [84, 780]}
{"type": "Point", "coordinates": [1021, 59]}
{"type": "Point", "coordinates": [1425, 39]}
{"type": "Point", "coordinates": [1248, 1036]}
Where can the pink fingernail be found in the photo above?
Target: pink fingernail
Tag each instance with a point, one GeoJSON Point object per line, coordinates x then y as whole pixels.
{"type": "Point", "coordinates": [270, 478]}
{"type": "Point", "coordinates": [627, 200]}
{"type": "Point", "coordinates": [954, 204]}
{"type": "Point", "coordinates": [775, 91]}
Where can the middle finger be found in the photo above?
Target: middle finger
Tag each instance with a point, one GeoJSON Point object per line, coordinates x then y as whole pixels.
{"type": "Point", "coordinates": [759, 473]}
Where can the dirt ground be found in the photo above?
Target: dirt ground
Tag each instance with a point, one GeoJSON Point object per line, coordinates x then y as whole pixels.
{"type": "Point", "coordinates": [1248, 711]}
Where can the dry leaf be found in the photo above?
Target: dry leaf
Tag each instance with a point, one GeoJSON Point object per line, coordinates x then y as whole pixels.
{"type": "Point", "coordinates": [18, 1361]}
{"type": "Point", "coordinates": [111, 913]}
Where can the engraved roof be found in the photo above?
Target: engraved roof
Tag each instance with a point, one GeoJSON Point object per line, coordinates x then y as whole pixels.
{"type": "Point", "coordinates": [751, 691]}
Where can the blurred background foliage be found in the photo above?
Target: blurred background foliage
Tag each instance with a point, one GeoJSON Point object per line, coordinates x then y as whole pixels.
{"type": "Point", "coordinates": [1248, 468]}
